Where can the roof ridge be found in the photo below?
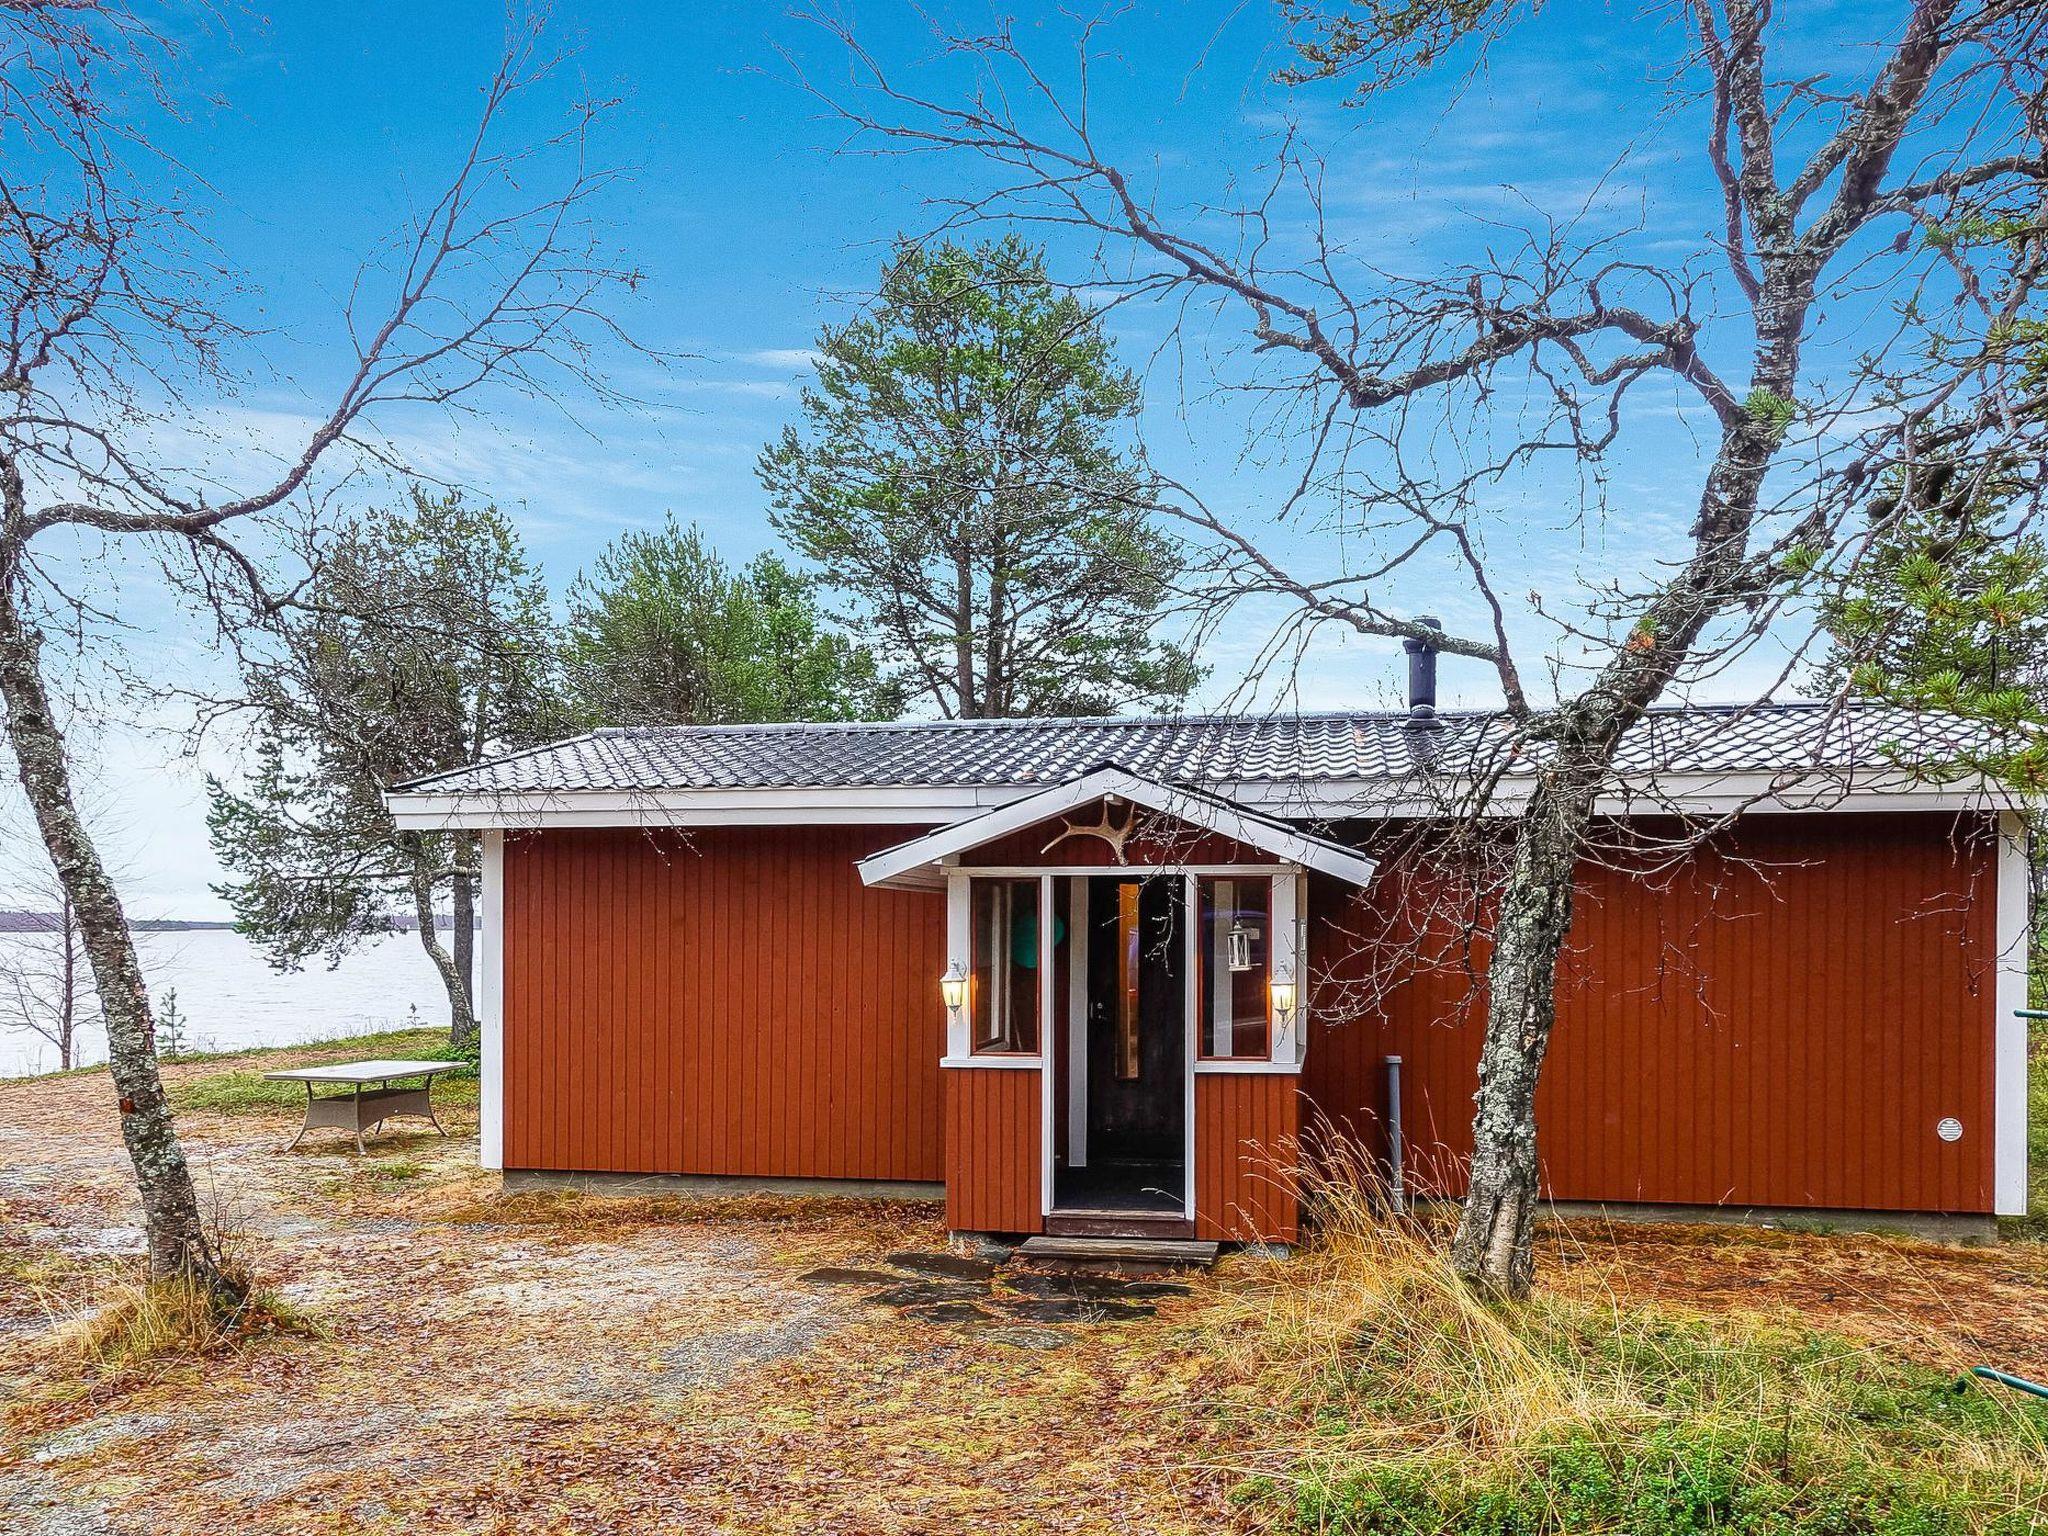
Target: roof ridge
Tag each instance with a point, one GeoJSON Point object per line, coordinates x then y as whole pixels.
{"type": "Point", "coordinates": [1010, 723]}
{"type": "Point", "coordinates": [1210, 717]}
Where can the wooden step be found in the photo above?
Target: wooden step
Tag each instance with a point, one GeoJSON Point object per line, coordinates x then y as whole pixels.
{"type": "Point", "coordinates": [1119, 1250]}
{"type": "Point", "coordinates": [1085, 1223]}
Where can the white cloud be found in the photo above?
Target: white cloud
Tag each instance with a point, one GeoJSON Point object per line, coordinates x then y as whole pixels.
{"type": "Point", "coordinates": [801, 358]}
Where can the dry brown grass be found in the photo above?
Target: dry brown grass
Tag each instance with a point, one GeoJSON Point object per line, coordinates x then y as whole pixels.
{"type": "Point", "coordinates": [1407, 1402]}
{"type": "Point", "coordinates": [126, 1320]}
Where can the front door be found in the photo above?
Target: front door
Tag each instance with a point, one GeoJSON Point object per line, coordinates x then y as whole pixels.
{"type": "Point", "coordinates": [1126, 1073]}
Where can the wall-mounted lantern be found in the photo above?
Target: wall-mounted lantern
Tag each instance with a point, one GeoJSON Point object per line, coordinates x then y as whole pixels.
{"type": "Point", "coordinates": [1282, 989]}
{"type": "Point", "coordinates": [953, 988]}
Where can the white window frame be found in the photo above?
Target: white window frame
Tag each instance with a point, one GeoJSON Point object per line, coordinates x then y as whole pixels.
{"type": "Point", "coordinates": [960, 1050]}
{"type": "Point", "coordinates": [1287, 1040]}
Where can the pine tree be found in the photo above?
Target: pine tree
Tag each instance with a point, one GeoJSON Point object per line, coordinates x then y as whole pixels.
{"type": "Point", "coordinates": [959, 478]}
{"type": "Point", "coordinates": [663, 632]}
{"type": "Point", "coordinates": [422, 644]}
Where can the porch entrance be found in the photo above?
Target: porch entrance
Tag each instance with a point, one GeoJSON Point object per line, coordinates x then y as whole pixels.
{"type": "Point", "coordinates": [1121, 1080]}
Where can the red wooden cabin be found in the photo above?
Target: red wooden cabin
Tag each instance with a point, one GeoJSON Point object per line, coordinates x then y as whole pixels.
{"type": "Point", "coordinates": [1098, 975]}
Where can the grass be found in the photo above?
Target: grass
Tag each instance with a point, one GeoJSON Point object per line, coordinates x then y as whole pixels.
{"type": "Point", "coordinates": [1405, 1404]}
{"type": "Point", "coordinates": [132, 1321]}
{"type": "Point", "coordinates": [2034, 1225]}
{"type": "Point", "coordinates": [243, 1090]}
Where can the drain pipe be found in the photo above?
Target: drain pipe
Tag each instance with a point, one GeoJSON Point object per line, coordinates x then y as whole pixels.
{"type": "Point", "coordinates": [1396, 1184]}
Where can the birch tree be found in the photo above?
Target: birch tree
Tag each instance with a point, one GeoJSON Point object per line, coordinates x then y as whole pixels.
{"type": "Point", "coordinates": [1902, 181]}
{"type": "Point", "coordinates": [119, 345]}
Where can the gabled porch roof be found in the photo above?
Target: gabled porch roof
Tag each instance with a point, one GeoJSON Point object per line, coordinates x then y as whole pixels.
{"type": "Point", "coordinates": [919, 863]}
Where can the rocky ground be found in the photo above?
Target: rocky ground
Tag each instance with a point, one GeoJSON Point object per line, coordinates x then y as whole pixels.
{"type": "Point", "coordinates": [540, 1362]}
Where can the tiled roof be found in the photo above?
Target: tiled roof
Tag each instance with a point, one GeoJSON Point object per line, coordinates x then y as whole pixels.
{"type": "Point", "coordinates": [1299, 748]}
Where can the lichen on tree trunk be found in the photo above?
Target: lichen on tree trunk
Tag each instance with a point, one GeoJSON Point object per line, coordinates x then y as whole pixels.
{"type": "Point", "coordinates": [1492, 1249]}
{"type": "Point", "coordinates": [179, 1243]}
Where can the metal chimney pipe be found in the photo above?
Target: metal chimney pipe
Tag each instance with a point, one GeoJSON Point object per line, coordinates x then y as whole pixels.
{"type": "Point", "coordinates": [1422, 670]}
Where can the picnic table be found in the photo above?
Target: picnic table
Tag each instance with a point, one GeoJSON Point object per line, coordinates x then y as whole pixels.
{"type": "Point", "coordinates": [372, 1100]}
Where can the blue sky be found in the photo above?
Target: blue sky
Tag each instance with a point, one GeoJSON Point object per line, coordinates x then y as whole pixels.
{"type": "Point", "coordinates": [753, 230]}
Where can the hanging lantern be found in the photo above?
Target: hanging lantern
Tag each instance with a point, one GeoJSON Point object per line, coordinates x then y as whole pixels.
{"type": "Point", "coordinates": [1238, 942]}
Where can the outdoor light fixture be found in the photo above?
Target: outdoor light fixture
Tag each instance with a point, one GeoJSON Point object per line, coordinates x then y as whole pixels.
{"type": "Point", "coordinates": [1282, 988]}
{"type": "Point", "coordinates": [953, 988]}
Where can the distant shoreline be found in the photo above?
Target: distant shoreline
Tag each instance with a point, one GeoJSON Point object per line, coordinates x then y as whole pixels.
{"type": "Point", "coordinates": [50, 922]}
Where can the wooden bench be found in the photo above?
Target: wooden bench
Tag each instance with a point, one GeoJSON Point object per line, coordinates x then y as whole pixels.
{"type": "Point", "coordinates": [371, 1101]}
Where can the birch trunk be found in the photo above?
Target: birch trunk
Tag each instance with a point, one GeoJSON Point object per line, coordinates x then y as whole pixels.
{"type": "Point", "coordinates": [178, 1240]}
{"type": "Point", "coordinates": [1492, 1249]}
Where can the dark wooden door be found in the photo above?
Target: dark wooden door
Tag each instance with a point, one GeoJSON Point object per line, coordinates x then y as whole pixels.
{"type": "Point", "coordinates": [1137, 1034]}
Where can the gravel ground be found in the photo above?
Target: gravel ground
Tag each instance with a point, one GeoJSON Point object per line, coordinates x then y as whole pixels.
{"type": "Point", "coordinates": [489, 1362]}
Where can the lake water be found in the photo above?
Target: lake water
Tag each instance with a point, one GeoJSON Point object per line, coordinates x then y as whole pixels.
{"type": "Point", "coordinates": [231, 997]}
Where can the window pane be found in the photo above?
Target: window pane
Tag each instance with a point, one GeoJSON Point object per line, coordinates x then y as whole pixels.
{"type": "Point", "coordinates": [1004, 1001]}
{"type": "Point", "coordinates": [1236, 953]}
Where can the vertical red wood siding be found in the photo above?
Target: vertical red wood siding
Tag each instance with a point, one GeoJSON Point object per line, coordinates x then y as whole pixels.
{"type": "Point", "coordinates": [731, 1003]}
{"type": "Point", "coordinates": [1783, 1022]}
{"type": "Point", "coordinates": [1246, 1124]}
{"type": "Point", "coordinates": [994, 1149]}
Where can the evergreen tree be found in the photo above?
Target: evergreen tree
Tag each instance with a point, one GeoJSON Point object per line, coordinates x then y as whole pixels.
{"type": "Point", "coordinates": [422, 644]}
{"type": "Point", "coordinates": [958, 476]}
{"type": "Point", "coordinates": [1947, 611]}
{"type": "Point", "coordinates": [663, 632]}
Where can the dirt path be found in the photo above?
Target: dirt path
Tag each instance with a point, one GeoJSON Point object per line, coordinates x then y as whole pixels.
{"type": "Point", "coordinates": [522, 1363]}
{"type": "Point", "coordinates": [541, 1363]}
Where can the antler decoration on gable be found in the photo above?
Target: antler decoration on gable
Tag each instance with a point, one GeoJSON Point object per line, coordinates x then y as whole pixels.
{"type": "Point", "coordinates": [1105, 829]}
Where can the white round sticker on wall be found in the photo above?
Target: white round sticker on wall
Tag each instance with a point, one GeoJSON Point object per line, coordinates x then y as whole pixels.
{"type": "Point", "coordinates": [1950, 1129]}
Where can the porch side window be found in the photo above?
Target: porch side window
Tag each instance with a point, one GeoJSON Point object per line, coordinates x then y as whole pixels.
{"type": "Point", "coordinates": [1236, 952]}
{"type": "Point", "coordinates": [1004, 992]}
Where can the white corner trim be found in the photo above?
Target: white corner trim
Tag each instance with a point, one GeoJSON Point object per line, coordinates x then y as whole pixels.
{"type": "Point", "coordinates": [2009, 1092]}
{"type": "Point", "coordinates": [959, 954]}
{"type": "Point", "coordinates": [490, 1005]}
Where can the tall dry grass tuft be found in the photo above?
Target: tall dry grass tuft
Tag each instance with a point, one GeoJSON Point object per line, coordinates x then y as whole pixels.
{"type": "Point", "coordinates": [130, 1320]}
{"type": "Point", "coordinates": [1410, 1403]}
{"type": "Point", "coordinates": [121, 1318]}
{"type": "Point", "coordinates": [1374, 1290]}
